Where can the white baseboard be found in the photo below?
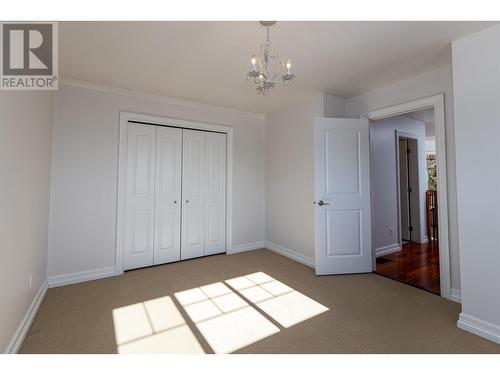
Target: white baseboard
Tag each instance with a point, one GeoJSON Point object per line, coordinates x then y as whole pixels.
{"type": "Point", "coordinates": [24, 326]}
{"type": "Point", "coordinates": [387, 249]}
{"type": "Point", "coordinates": [479, 327]}
{"type": "Point", "coordinates": [308, 261]}
{"type": "Point", "coordinates": [247, 247]}
{"type": "Point", "coordinates": [79, 277]}
{"type": "Point", "coordinates": [455, 295]}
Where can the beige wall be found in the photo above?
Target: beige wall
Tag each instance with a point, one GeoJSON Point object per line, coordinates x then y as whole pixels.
{"type": "Point", "coordinates": [290, 159]}
{"type": "Point", "coordinates": [290, 174]}
{"type": "Point", "coordinates": [477, 123]}
{"type": "Point", "coordinates": [85, 171]}
{"type": "Point", "coordinates": [25, 153]}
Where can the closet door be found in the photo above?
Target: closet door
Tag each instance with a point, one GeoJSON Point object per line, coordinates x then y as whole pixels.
{"type": "Point", "coordinates": [193, 194]}
{"type": "Point", "coordinates": [140, 196]}
{"type": "Point", "coordinates": [215, 199]}
{"type": "Point", "coordinates": [167, 246]}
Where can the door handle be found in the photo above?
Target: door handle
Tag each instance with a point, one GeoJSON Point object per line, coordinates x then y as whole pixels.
{"type": "Point", "coordinates": [321, 203]}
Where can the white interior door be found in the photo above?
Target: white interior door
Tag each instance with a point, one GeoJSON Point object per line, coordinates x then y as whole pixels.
{"type": "Point", "coordinates": [140, 196]}
{"type": "Point", "coordinates": [167, 246]}
{"type": "Point", "coordinates": [215, 199]}
{"type": "Point", "coordinates": [342, 210]}
{"type": "Point", "coordinates": [193, 194]}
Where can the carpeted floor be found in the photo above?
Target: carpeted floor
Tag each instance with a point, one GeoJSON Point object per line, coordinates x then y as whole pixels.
{"type": "Point", "coordinates": [366, 313]}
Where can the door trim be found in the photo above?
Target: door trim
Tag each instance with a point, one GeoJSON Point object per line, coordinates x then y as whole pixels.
{"type": "Point", "coordinates": [435, 102]}
{"type": "Point", "coordinates": [125, 117]}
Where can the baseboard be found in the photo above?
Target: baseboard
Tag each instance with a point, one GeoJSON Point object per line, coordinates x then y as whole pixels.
{"type": "Point", "coordinates": [455, 295]}
{"type": "Point", "coordinates": [479, 327]}
{"type": "Point", "coordinates": [387, 249]}
{"type": "Point", "coordinates": [308, 261]}
{"type": "Point", "coordinates": [79, 277]}
{"type": "Point", "coordinates": [247, 247]}
{"type": "Point", "coordinates": [24, 326]}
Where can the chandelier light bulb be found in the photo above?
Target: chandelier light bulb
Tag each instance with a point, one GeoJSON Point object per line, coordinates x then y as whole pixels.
{"type": "Point", "coordinates": [288, 66]}
{"type": "Point", "coordinates": [254, 63]}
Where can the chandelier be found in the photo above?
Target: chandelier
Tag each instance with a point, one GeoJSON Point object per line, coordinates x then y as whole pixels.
{"type": "Point", "coordinates": [266, 70]}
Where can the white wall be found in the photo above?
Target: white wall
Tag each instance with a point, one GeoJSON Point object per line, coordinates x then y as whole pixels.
{"type": "Point", "coordinates": [423, 85]}
{"type": "Point", "coordinates": [333, 106]}
{"type": "Point", "coordinates": [383, 170]}
{"type": "Point", "coordinates": [476, 79]}
{"type": "Point", "coordinates": [290, 174]}
{"type": "Point", "coordinates": [25, 152]}
{"type": "Point", "coordinates": [85, 166]}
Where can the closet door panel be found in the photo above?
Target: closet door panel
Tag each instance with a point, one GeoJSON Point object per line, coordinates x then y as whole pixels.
{"type": "Point", "coordinates": [193, 194]}
{"type": "Point", "coordinates": [140, 196]}
{"type": "Point", "coordinates": [215, 202]}
{"type": "Point", "coordinates": [168, 195]}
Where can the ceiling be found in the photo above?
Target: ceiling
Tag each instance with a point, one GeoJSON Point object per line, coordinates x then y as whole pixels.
{"type": "Point", "coordinates": [207, 61]}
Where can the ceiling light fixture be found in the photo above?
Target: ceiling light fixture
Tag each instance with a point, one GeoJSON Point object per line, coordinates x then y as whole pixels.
{"type": "Point", "coordinates": [266, 70]}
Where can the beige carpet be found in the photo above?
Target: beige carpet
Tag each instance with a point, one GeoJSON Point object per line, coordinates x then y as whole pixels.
{"type": "Point", "coordinates": [366, 313]}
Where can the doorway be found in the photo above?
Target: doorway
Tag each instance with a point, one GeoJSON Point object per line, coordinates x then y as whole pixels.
{"type": "Point", "coordinates": [404, 199]}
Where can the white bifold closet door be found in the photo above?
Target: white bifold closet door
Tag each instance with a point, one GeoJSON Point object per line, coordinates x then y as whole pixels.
{"type": "Point", "coordinates": [203, 194]}
{"type": "Point", "coordinates": [140, 196]}
{"type": "Point", "coordinates": [175, 195]}
{"type": "Point", "coordinates": [215, 199]}
{"type": "Point", "coordinates": [193, 194]}
{"type": "Point", "coordinates": [167, 244]}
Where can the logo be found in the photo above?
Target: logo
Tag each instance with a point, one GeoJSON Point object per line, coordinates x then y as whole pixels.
{"type": "Point", "coordinates": [29, 56]}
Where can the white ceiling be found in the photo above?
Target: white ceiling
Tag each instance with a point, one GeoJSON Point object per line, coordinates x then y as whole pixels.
{"type": "Point", "coordinates": [207, 61]}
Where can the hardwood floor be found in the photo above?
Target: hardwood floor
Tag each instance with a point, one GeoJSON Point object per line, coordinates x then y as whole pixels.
{"type": "Point", "coordinates": [415, 264]}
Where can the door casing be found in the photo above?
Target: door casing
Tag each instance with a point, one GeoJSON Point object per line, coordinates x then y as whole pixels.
{"type": "Point", "coordinates": [435, 102]}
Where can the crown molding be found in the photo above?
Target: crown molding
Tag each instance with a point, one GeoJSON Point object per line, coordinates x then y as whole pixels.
{"type": "Point", "coordinates": [67, 81]}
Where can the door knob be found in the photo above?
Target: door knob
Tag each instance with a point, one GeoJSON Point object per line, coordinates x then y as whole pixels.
{"type": "Point", "coordinates": [321, 203]}
{"type": "Point", "coordinates": [175, 202]}
{"type": "Point", "coordinates": [187, 201]}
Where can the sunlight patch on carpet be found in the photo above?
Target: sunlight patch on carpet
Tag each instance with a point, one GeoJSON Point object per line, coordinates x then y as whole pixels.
{"type": "Point", "coordinates": [229, 315]}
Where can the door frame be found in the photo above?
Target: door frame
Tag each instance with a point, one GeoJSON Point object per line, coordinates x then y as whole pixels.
{"type": "Point", "coordinates": [435, 102]}
{"type": "Point", "coordinates": [399, 134]}
{"type": "Point", "coordinates": [125, 117]}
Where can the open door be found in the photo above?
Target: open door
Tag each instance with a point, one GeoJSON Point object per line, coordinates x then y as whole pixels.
{"type": "Point", "coordinates": [342, 193]}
